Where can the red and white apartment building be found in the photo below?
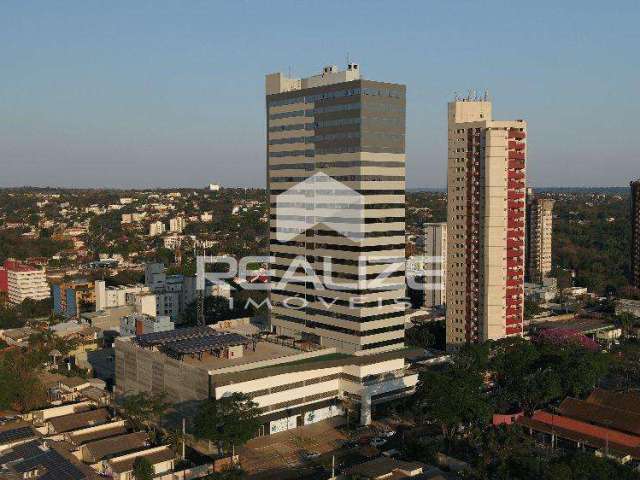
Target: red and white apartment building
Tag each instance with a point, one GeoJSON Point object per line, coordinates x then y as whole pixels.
{"type": "Point", "coordinates": [486, 220]}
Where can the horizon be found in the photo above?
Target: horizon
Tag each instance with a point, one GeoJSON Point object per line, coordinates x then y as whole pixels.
{"type": "Point", "coordinates": [135, 96]}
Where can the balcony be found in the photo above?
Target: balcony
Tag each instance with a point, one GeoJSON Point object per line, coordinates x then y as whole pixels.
{"type": "Point", "coordinates": [515, 195]}
{"type": "Point", "coordinates": [513, 145]}
{"type": "Point", "coordinates": [517, 134]}
{"type": "Point", "coordinates": [517, 164]}
{"type": "Point", "coordinates": [516, 156]}
{"type": "Point", "coordinates": [516, 176]}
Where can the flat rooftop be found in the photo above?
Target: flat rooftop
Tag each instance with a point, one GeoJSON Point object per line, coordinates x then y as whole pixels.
{"type": "Point", "coordinates": [264, 351]}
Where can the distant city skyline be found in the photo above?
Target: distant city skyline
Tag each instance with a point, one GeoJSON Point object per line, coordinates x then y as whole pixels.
{"type": "Point", "coordinates": [159, 94]}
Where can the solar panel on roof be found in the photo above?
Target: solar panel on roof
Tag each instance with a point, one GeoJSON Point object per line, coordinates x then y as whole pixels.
{"type": "Point", "coordinates": [26, 450]}
{"type": "Point", "coordinates": [55, 465]}
{"type": "Point", "coordinates": [15, 434]}
{"type": "Point", "coordinates": [198, 345]}
{"type": "Point", "coordinates": [162, 338]}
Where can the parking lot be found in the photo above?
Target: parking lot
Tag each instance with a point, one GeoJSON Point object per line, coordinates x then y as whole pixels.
{"type": "Point", "coordinates": [264, 457]}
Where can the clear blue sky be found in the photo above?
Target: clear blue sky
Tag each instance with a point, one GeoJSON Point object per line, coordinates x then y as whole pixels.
{"type": "Point", "coordinates": [159, 93]}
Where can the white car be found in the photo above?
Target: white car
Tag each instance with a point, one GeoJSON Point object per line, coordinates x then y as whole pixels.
{"type": "Point", "coordinates": [378, 442]}
{"type": "Point", "coordinates": [387, 433]}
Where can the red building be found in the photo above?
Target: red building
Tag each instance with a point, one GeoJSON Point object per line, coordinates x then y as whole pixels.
{"type": "Point", "coordinates": [606, 423]}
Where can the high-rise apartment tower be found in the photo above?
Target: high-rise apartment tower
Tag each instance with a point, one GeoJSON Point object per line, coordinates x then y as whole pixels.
{"type": "Point", "coordinates": [486, 224]}
{"type": "Point", "coordinates": [539, 237]}
{"type": "Point", "coordinates": [336, 180]}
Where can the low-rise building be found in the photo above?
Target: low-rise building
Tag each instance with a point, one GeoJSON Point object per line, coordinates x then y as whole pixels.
{"type": "Point", "coordinates": [162, 460]}
{"type": "Point", "coordinates": [141, 324]}
{"type": "Point", "coordinates": [628, 306]}
{"type": "Point", "coordinates": [606, 423]}
{"type": "Point", "coordinates": [42, 460]}
{"type": "Point", "coordinates": [292, 383]}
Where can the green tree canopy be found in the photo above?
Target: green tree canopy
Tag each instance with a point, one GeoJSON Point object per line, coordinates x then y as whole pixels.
{"type": "Point", "coordinates": [229, 421]}
{"type": "Point", "coordinates": [142, 469]}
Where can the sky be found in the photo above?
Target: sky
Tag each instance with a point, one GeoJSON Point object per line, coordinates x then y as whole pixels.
{"type": "Point", "coordinates": [171, 93]}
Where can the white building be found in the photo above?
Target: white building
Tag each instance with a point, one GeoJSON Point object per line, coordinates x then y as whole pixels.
{"type": "Point", "coordinates": [156, 228]}
{"type": "Point", "coordinates": [24, 282]}
{"type": "Point", "coordinates": [111, 297]}
{"type": "Point", "coordinates": [177, 224]}
{"type": "Point", "coordinates": [214, 187]}
{"type": "Point", "coordinates": [140, 324]}
{"type": "Point", "coordinates": [206, 217]}
{"type": "Point", "coordinates": [174, 293]}
{"type": "Point", "coordinates": [432, 245]}
{"type": "Point", "coordinates": [173, 241]}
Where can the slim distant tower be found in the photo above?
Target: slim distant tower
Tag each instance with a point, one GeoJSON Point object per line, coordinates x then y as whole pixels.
{"type": "Point", "coordinates": [336, 161]}
{"type": "Point", "coordinates": [433, 245]}
{"type": "Point", "coordinates": [486, 224]}
{"type": "Point", "coordinates": [635, 226]}
{"type": "Point", "coordinates": [539, 237]}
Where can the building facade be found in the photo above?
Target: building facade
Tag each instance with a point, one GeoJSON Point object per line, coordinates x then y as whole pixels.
{"type": "Point", "coordinates": [72, 298]}
{"type": "Point", "coordinates": [336, 173]}
{"type": "Point", "coordinates": [432, 245]}
{"type": "Point", "coordinates": [486, 224]}
{"type": "Point", "coordinates": [25, 281]}
{"type": "Point", "coordinates": [635, 240]}
{"type": "Point", "coordinates": [156, 228]}
{"type": "Point", "coordinates": [539, 238]}
{"type": "Point", "coordinates": [177, 224]}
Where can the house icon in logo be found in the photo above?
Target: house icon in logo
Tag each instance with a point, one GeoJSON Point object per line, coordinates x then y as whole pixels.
{"type": "Point", "coordinates": [319, 201]}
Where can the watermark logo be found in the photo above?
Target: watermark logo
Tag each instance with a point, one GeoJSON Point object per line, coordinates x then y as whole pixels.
{"type": "Point", "coordinates": [319, 202]}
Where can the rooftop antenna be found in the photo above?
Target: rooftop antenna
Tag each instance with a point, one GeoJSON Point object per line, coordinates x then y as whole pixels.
{"type": "Point", "coordinates": [348, 59]}
{"type": "Point", "coordinates": [486, 95]}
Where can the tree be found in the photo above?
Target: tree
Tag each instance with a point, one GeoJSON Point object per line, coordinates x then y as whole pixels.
{"type": "Point", "coordinates": [216, 309]}
{"type": "Point", "coordinates": [581, 466]}
{"type": "Point", "coordinates": [521, 381]}
{"type": "Point", "coordinates": [142, 469]}
{"type": "Point", "coordinates": [454, 397]}
{"type": "Point", "coordinates": [228, 422]}
{"type": "Point", "coordinates": [531, 309]}
{"type": "Point", "coordinates": [428, 335]}
{"type": "Point", "coordinates": [143, 411]}
{"type": "Point", "coordinates": [626, 321]}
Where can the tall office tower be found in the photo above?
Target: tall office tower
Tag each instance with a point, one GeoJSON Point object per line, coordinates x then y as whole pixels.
{"type": "Point", "coordinates": [635, 225]}
{"type": "Point", "coordinates": [433, 246]}
{"type": "Point", "coordinates": [336, 179]}
{"type": "Point", "coordinates": [486, 224]}
{"type": "Point", "coordinates": [539, 237]}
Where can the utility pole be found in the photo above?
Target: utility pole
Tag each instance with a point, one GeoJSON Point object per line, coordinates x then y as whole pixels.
{"type": "Point", "coordinates": [184, 437]}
